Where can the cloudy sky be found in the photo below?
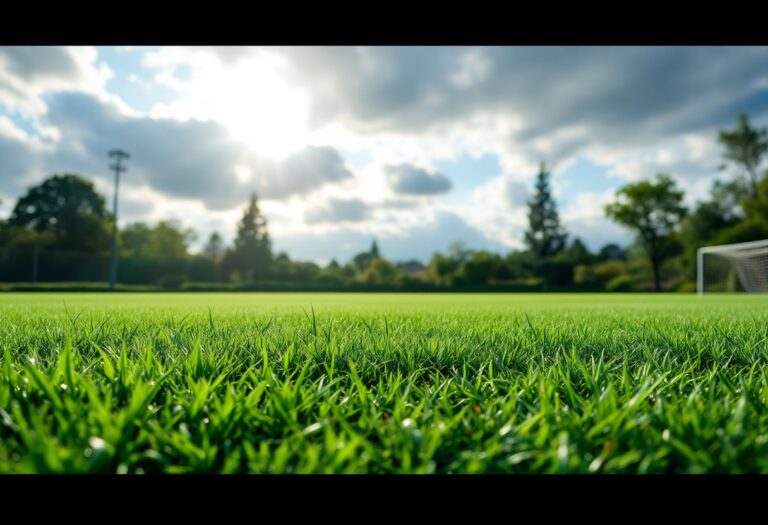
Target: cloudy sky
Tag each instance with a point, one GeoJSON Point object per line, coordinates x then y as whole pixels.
{"type": "Point", "coordinates": [417, 147]}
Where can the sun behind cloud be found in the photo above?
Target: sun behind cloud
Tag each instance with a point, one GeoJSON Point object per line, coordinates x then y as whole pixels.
{"type": "Point", "coordinates": [250, 98]}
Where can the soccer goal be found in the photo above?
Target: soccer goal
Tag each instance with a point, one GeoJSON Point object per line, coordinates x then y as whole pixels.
{"type": "Point", "coordinates": [741, 267]}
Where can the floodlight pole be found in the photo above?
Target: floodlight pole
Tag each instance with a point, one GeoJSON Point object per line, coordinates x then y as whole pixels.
{"type": "Point", "coordinates": [117, 167]}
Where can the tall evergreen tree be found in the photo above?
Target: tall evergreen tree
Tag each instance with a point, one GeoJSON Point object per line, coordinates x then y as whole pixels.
{"type": "Point", "coordinates": [252, 252]}
{"type": "Point", "coordinates": [364, 259]}
{"type": "Point", "coordinates": [214, 247]}
{"type": "Point", "coordinates": [545, 236]}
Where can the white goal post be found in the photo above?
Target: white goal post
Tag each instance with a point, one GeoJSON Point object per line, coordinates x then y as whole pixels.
{"type": "Point", "coordinates": [733, 267]}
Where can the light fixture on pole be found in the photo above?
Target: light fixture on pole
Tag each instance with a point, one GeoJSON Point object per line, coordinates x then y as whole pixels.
{"type": "Point", "coordinates": [117, 167]}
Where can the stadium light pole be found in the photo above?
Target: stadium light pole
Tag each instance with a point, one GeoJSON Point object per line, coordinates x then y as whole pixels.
{"type": "Point", "coordinates": [117, 167]}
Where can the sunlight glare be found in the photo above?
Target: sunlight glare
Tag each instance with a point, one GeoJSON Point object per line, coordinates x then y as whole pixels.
{"type": "Point", "coordinates": [263, 111]}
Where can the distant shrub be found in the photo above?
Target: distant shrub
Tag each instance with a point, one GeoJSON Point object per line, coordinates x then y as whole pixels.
{"type": "Point", "coordinates": [583, 274]}
{"type": "Point", "coordinates": [606, 271]}
{"type": "Point", "coordinates": [687, 287]}
{"type": "Point", "coordinates": [171, 281]}
{"type": "Point", "coordinates": [622, 283]}
{"type": "Point", "coordinates": [600, 273]}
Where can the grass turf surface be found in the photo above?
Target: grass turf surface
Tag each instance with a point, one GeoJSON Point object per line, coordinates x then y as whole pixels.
{"type": "Point", "coordinates": [383, 383]}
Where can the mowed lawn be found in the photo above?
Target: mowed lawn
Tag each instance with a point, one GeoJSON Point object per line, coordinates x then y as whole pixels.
{"type": "Point", "coordinates": [383, 383]}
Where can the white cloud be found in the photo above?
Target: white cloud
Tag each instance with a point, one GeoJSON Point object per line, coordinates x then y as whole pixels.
{"type": "Point", "coordinates": [29, 74]}
{"type": "Point", "coordinates": [473, 68]}
{"type": "Point", "coordinates": [180, 160]}
{"type": "Point", "coordinates": [290, 123]}
{"type": "Point", "coordinates": [406, 179]}
{"type": "Point", "coordinates": [249, 96]}
{"type": "Point", "coordinates": [584, 217]}
{"type": "Point", "coordinates": [338, 211]}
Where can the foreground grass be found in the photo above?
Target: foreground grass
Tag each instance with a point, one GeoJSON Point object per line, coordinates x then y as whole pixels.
{"type": "Point", "coordinates": [382, 383]}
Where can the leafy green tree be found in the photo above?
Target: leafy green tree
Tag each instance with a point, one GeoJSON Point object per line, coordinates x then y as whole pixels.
{"type": "Point", "coordinates": [171, 240]}
{"type": "Point", "coordinates": [135, 239]}
{"type": "Point", "coordinates": [577, 253]}
{"type": "Point", "coordinates": [709, 219]}
{"type": "Point", "coordinates": [380, 272]}
{"type": "Point", "coordinates": [728, 197]}
{"type": "Point", "coordinates": [165, 240]}
{"type": "Point", "coordinates": [560, 269]}
{"type": "Point", "coordinates": [600, 273]}
{"type": "Point", "coordinates": [442, 268]}
{"type": "Point", "coordinates": [284, 269]}
{"type": "Point", "coordinates": [611, 252]}
{"type": "Point", "coordinates": [159, 254]}
{"type": "Point", "coordinates": [754, 226]}
{"type": "Point", "coordinates": [68, 207]}
{"type": "Point", "coordinates": [756, 209]}
{"type": "Point", "coordinates": [459, 252]}
{"type": "Point", "coordinates": [653, 209]}
{"type": "Point", "coordinates": [21, 237]}
{"type": "Point", "coordinates": [332, 274]}
{"type": "Point", "coordinates": [479, 268]}
{"type": "Point", "coordinates": [545, 236]}
{"type": "Point", "coordinates": [520, 264]}
{"type": "Point", "coordinates": [252, 254]}
{"type": "Point", "coordinates": [745, 146]}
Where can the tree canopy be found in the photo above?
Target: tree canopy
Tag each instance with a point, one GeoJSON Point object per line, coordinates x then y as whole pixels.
{"type": "Point", "coordinates": [165, 240]}
{"type": "Point", "coordinates": [653, 210]}
{"type": "Point", "coordinates": [69, 208]}
{"type": "Point", "coordinates": [746, 146]}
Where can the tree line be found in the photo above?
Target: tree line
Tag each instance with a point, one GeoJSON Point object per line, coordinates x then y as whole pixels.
{"type": "Point", "coordinates": [60, 231]}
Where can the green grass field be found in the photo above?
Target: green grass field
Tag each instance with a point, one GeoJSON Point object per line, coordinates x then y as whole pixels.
{"type": "Point", "coordinates": [383, 383]}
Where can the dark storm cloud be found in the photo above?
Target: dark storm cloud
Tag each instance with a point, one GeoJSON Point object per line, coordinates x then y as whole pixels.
{"type": "Point", "coordinates": [618, 95]}
{"type": "Point", "coordinates": [193, 159]}
{"type": "Point", "coordinates": [411, 180]}
{"type": "Point", "coordinates": [18, 160]}
{"type": "Point", "coordinates": [306, 170]}
{"type": "Point", "coordinates": [28, 73]}
{"type": "Point", "coordinates": [181, 159]}
{"type": "Point", "coordinates": [34, 63]}
{"type": "Point", "coordinates": [337, 211]}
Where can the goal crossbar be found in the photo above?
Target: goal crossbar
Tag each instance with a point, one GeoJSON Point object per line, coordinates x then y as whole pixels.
{"type": "Point", "coordinates": [746, 249]}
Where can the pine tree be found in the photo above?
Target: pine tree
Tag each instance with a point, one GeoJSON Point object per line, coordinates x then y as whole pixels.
{"type": "Point", "coordinates": [364, 259]}
{"type": "Point", "coordinates": [252, 254]}
{"type": "Point", "coordinates": [545, 237]}
{"type": "Point", "coordinates": [214, 248]}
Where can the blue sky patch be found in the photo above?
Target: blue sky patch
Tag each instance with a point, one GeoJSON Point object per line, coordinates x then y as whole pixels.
{"type": "Point", "coordinates": [141, 94]}
{"type": "Point", "coordinates": [583, 176]}
{"type": "Point", "coordinates": [468, 173]}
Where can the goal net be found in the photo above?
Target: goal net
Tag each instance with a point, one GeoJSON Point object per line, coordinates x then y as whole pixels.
{"type": "Point", "coordinates": [741, 267]}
